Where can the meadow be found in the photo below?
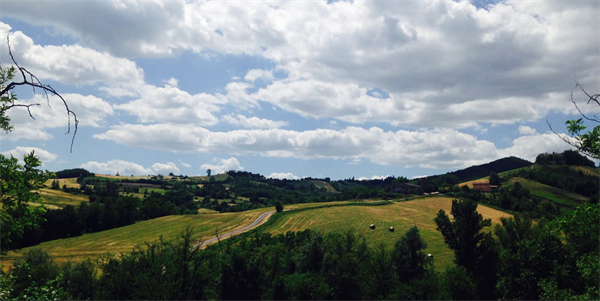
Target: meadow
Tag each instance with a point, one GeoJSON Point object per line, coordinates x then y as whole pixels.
{"type": "Point", "coordinates": [401, 216]}
{"type": "Point", "coordinates": [124, 239]}
{"type": "Point", "coordinates": [550, 193]}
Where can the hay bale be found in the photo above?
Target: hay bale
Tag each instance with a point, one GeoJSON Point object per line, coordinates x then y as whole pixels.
{"type": "Point", "coordinates": [391, 229]}
{"type": "Point", "coordinates": [372, 226]}
{"type": "Point", "coordinates": [430, 256]}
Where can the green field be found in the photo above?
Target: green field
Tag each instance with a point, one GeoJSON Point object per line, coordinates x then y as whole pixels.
{"type": "Point", "coordinates": [123, 239]}
{"type": "Point", "coordinates": [401, 216]}
{"type": "Point", "coordinates": [550, 193]}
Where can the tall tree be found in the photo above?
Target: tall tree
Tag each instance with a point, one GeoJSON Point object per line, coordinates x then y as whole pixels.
{"type": "Point", "coordinates": [474, 249]}
{"type": "Point", "coordinates": [410, 262]}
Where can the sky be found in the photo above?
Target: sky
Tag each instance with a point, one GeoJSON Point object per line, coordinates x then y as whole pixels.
{"type": "Point", "coordinates": [293, 89]}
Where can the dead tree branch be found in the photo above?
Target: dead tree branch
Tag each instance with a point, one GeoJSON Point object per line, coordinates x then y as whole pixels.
{"type": "Point", "coordinates": [29, 79]}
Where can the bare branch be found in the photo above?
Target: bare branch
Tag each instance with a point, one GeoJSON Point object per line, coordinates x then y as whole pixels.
{"type": "Point", "coordinates": [34, 82]}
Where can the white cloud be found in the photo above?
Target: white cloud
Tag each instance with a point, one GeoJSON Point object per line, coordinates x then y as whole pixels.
{"type": "Point", "coordinates": [44, 155]}
{"type": "Point", "coordinates": [186, 165]}
{"type": "Point", "coordinates": [164, 169]}
{"type": "Point", "coordinates": [90, 110]}
{"type": "Point", "coordinates": [437, 148]}
{"type": "Point", "coordinates": [173, 105]}
{"type": "Point", "coordinates": [70, 64]}
{"type": "Point", "coordinates": [529, 146]}
{"type": "Point", "coordinates": [253, 122]}
{"type": "Point", "coordinates": [222, 165]}
{"type": "Point", "coordinates": [520, 62]}
{"type": "Point", "coordinates": [283, 175]}
{"type": "Point", "coordinates": [375, 177]}
{"type": "Point", "coordinates": [116, 166]}
{"type": "Point", "coordinates": [528, 131]}
{"type": "Point", "coordinates": [254, 74]}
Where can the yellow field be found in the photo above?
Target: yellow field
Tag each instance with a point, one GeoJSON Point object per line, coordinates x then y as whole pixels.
{"type": "Point", "coordinates": [70, 182]}
{"type": "Point", "coordinates": [470, 183]}
{"type": "Point", "coordinates": [401, 216]}
{"type": "Point", "coordinates": [56, 198]}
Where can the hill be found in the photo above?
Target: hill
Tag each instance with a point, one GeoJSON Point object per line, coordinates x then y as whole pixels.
{"type": "Point", "coordinates": [484, 170]}
{"type": "Point", "coordinates": [401, 216]}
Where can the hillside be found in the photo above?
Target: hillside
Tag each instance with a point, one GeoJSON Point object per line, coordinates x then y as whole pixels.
{"type": "Point", "coordinates": [401, 216]}
{"type": "Point", "coordinates": [124, 239]}
{"type": "Point", "coordinates": [484, 170]}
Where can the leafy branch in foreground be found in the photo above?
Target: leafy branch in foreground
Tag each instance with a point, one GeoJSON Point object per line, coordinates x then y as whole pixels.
{"type": "Point", "coordinates": [586, 142]}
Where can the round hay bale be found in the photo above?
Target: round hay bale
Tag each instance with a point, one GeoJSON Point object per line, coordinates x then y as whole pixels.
{"type": "Point", "coordinates": [391, 229]}
{"type": "Point", "coordinates": [372, 226]}
{"type": "Point", "coordinates": [430, 255]}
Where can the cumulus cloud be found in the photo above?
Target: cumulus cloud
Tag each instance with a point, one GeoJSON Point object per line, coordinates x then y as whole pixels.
{"type": "Point", "coordinates": [173, 105]}
{"type": "Point", "coordinates": [116, 166]}
{"type": "Point", "coordinates": [255, 74]}
{"type": "Point", "coordinates": [18, 152]}
{"type": "Point", "coordinates": [283, 175]}
{"type": "Point", "coordinates": [520, 62]}
{"type": "Point", "coordinates": [529, 146]}
{"type": "Point", "coordinates": [253, 122]}
{"type": "Point", "coordinates": [162, 168]}
{"type": "Point", "coordinates": [526, 130]}
{"type": "Point", "coordinates": [375, 177]}
{"type": "Point", "coordinates": [435, 148]}
{"type": "Point", "coordinates": [91, 111]}
{"type": "Point", "coordinates": [186, 165]}
{"type": "Point", "coordinates": [70, 64]}
{"type": "Point", "coordinates": [222, 165]}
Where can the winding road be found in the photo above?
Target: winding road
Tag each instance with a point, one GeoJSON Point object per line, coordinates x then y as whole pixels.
{"type": "Point", "coordinates": [235, 232]}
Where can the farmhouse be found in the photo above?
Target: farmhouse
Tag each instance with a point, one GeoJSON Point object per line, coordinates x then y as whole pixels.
{"type": "Point", "coordinates": [406, 188]}
{"type": "Point", "coordinates": [484, 186]}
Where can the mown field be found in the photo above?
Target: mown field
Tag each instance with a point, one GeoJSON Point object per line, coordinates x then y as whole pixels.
{"type": "Point", "coordinates": [401, 216]}
{"type": "Point", "coordinates": [123, 239]}
{"type": "Point", "coordinates": [55, 199]}
{"type": "Point", "coordinates": [550, 193]}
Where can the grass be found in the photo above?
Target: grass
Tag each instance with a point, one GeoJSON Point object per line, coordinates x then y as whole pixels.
{"type": "Point", "coordinates": [587, 170]}
{"type": "Point", "coordinates": [401, 216]}
{"type": "Point", "coordinates": [322, 184]}
{"type": "Point", "coordinates": [123, 239]}
{"type": "Point", "coordinates": [54, 199]}
{"type": "Point", "coordinates": [550, 193]}
{"type": "Point", "coordinates": [70, 182]}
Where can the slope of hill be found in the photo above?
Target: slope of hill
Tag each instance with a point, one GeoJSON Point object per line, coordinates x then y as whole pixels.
{"type": "Point", "coordinates": [401, 216]}
{"type": "Point", "coordinates": [553, 194]}
{"type": "Point", "coordinates": [484, 170]}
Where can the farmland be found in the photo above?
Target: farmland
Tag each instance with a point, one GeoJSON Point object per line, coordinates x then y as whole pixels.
{"type": "Point", "coordinates": [401, 216]}
{"type": "Point", "coordinates": [123, 239]}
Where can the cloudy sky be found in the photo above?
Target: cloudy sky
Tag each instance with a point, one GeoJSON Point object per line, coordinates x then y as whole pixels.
{"type": "Point", "coordinates": [298, 88]}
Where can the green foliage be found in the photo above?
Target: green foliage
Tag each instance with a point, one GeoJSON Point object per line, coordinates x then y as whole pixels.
{"type": "Point", "coordinates": [495, 179]}
{"type": "Point", "coordinates": [278, 207]}
{"type": "Point", "coordinates": [409, 259]}
{"type": "Point", "coordinates": [6, 99]}
{"type": "Point", "coordinates": [474, 249]}
{"type": "Point", "coordinates": [17, 188]}
{"type": "Point", "coordinates": [587, 142]}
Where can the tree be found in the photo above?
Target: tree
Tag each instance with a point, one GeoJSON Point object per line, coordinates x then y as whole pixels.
{"type": "Point", "coordinates": [18, 182]}
{"type": "Point", "coordinates": [410, 262]}
{"type": "Point", "coordinates": [278, 207]}
{"type": "Point", "coordinates": [474, 249]}
{"type": "Point", "coordinates": [494, 179]}
{"type": "Point", "coordinates": [208, 172]}
{"type": "Point", "coordinates": [586, 142]}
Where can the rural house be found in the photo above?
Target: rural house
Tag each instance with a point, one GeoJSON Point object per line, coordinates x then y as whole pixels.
{"type": "Point", "coordinates": [484, 186]}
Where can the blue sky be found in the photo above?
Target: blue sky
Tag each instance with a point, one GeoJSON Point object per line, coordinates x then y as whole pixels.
{"type": "Point", "coordinates": [298, 88]}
